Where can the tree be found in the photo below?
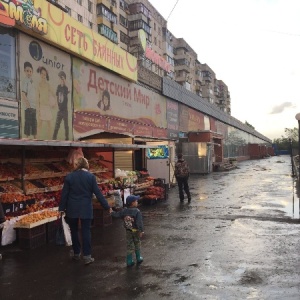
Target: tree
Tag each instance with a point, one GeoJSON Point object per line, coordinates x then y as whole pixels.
{"type": "Point", "coordinates": [290, 136]}
{"type": "Point", "coordinates": [248, 124]}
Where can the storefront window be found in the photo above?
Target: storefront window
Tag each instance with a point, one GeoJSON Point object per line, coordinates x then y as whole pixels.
{"type": "Point", "coordinates": [7, 64]}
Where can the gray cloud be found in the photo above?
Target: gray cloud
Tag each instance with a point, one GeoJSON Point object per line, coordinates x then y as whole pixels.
{"type": "Point", "coordinates": [280, 108]}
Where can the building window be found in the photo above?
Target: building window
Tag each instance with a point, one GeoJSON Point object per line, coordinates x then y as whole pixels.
{"type": "Point", "coordinates": [79, 18]}
{"type": "Point", "coordinates": [124, 38]}
{"type": "Point", "coordinates": [123, 21]}
{"type": "Point", "coordinates": [108, 33]}
{"type": "Point", "coordinates": [79, 2]}
{"type": "Point", "coordinates": [90, 6]}
{"type": "Point", "coordinates": [155, 41]}
{"type": "Point", "coordinates": [139, 24]}
{"type": "Point", "coordinates": [103, 11]}
{"type": "Point", "coordinates": [123, 5]}
{"type": "Point", "coordinates": [154, 26]}
{"type": "Point", "coordinates": [91, 25]}
{"type": "Point", "coordinates": [68, 9]}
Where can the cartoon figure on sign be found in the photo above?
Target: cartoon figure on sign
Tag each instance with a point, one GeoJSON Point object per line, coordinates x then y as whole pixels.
{"type": "Point", "coordinates": [29, 11]}
{"type": "Point", "coordinates": [45, 102]}
{"type": "Point", "coordinates": [104, 102]}
{"type": "Point", "coordinates": [29, 101]}
{"type": "Point", "coordinates": [62, 92]}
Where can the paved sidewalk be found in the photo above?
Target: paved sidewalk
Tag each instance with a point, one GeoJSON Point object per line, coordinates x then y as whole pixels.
{"type": "Point", "coordinates": [238, 239]}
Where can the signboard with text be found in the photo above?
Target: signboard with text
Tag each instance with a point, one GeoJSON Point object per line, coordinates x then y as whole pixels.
{"type": "Point", "coordinates": [106, 102]}
{"type": "Point", "coordinates": [46, 21]}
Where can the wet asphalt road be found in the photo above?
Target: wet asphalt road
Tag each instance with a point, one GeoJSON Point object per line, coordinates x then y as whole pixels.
{"type": "Point", "coordinates": [238, 239]}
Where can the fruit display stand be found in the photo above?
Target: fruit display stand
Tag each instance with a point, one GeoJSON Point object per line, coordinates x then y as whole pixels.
{"type": "Point", "coordinates": [32, 228]}
{"type": "Point", "coordinates": [151, 190]}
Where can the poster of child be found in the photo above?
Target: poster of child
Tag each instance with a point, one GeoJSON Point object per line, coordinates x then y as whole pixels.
{"type": "Point", "coordinates": [29, 102]}
{"type": "Point", "coordinates": [62, 92]}
{"type": "Point", "coordinates": [44, 104]}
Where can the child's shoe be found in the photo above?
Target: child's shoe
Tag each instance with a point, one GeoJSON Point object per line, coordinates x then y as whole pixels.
{"type": "Point", "coordinates": [139, 258]}
{"type": "Point", "coordinates": [129, 260]}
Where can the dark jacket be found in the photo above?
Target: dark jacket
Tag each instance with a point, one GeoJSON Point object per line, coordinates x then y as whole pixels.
{"type": "Point", "coordinates": [77, 193]}
{"type": "Point", "coordinates": [133, 212]}
{"type": "Point", "coordinates": [182, 169]}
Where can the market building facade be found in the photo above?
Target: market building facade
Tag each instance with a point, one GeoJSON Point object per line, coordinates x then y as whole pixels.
{"type": "Point", "coordinates": [85, 88]}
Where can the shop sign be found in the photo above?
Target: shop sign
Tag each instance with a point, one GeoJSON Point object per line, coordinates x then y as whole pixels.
{"type": "Point", "coordinates": [9, 119]}
{"type": "Point", "coordinates": [46, 21]}
{"type": "Point", "coordinates": [23, 13]}
{"type": "Point", "coordinates": [157, 59]}
{"type": "Point", "coordinates": [99, 92]}
{"type": "Point", "coordinates": [160, 133]}
{"type": "Point", "coordinates": [172, 119]}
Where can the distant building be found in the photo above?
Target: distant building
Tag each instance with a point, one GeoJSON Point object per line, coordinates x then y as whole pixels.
{"type": "Point", "coordinates": [165, 55]}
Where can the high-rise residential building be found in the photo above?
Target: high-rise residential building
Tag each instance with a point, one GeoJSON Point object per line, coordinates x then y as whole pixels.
{"type": "Point", "coordinates": [165, 55]}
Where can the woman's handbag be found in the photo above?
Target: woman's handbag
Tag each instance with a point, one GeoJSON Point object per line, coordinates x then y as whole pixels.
{"type": "Point", "coordinates": [67, 232]}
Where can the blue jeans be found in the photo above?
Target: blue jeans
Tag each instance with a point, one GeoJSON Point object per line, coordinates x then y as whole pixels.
{"type": "Point", "coordinates": [86, 235]}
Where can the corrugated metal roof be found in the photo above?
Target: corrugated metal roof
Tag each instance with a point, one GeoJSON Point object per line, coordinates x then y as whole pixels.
{"type": "Point", "coordinates": [175, 91]}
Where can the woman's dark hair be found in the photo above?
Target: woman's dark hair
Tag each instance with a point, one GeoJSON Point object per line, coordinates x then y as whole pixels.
{"type": "Point", "coordinates": [179, 156]}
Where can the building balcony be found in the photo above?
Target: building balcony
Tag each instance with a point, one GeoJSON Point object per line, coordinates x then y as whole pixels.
{"type": "Point", "coordinates": [182, 68]}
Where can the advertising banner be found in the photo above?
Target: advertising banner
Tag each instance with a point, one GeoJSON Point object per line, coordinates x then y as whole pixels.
{"type": "Point", "coordinates": [105, 102]}
{"type": "Point", "coordinates": [7, 64]}
{"type": "Point", "coordinates": [46, 21]}
{"type": "Point", "coordinates": [172, 119]}
{"type": "Point", "coordinates": [9, 119]}
{"type": "Point", "coordinates": [45, 73]}
{"type": "Point", "coordinates": [196, 120]}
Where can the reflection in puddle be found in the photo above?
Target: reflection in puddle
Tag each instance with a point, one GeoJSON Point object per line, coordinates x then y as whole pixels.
{"type": "Point", "coordinates": [290, 208]}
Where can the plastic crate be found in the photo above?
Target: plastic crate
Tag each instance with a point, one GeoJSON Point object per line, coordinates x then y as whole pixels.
{"type": "Point", "coordinates": [147, 201]}
{"type": "Point", "coordinates": [51, 229]}
{"type": "Point", "coordinates": [34, 242]}
{"type": "Point", "coordinates": [28, 233]}
{"type": "Point", "coordinates": [102, 218]}
{"type": "Point", "coordinates": [159, 182]}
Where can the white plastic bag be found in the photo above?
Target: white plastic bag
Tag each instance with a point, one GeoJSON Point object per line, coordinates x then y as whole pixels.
{"type": "Point", "coordinates": [8, 232]}
{"type": "Point", "coordinates": [67, 232]}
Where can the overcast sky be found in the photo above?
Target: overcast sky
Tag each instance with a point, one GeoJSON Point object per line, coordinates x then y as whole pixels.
{"type": "Point", "coordinates": [253, 46]}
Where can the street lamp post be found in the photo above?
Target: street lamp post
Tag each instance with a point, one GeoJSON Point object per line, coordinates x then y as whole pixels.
{"type": "Point", "coordinates": [298, 119]}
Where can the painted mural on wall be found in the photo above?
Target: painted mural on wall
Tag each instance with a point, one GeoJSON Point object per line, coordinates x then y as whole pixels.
{"type": "Point", "coordinates": [45, 73]}
{"type": "Point", "coordinates": [9, 119]}
{"type": "Point", "coordinates": [106, 102]}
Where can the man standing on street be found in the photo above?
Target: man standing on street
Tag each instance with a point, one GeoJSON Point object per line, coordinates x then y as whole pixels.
{"type": "Point", "coordinates": [182, 173]}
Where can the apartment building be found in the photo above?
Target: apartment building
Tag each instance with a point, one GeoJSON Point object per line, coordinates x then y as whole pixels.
{"type": "Point", "coordinates": [165, 55]}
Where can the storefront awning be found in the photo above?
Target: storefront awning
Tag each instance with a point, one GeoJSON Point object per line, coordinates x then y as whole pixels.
{"type": "Point", "coordinates": [29, 142]}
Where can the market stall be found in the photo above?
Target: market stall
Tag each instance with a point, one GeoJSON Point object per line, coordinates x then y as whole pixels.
{"type": "Point", "coordinates": [31, 179]}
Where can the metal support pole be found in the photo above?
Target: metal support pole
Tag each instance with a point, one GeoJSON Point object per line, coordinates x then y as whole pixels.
{"type": "Point", "coordinates": [299, 151]}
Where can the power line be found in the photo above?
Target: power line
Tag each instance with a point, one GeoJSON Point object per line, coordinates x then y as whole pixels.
{"type": "Point", "coordinates": [172, 10]}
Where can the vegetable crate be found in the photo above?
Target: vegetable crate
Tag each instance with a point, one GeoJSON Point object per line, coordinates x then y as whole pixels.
{"type": "Point", "coordinates": [102, 218]}
{"type": "Point", "coordinates": [31, 238]}
{"type": "Point", "coordinates": [159, 182]}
